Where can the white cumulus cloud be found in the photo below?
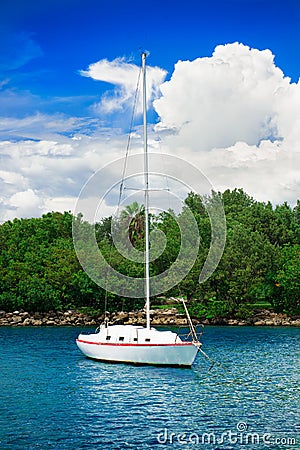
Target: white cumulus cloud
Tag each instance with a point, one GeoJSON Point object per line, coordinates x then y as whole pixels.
{"type": "Point", "coordinates": [24, 204]}
{"type": "Point", "coordinates": [219, 100]}
{"type": "Point", "coordinates": [234, 115]}
{"type": "Point", "coordinates": [124, 76]}
{"type": "Point", "coordinates": [237, 117]}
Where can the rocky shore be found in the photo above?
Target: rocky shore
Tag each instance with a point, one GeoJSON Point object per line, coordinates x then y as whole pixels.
{"type": "Point", "coordinates": [158, 317]}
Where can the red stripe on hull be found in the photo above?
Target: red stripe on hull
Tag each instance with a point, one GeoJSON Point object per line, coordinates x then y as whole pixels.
{"type": "Point", "coordinates": [114, 344]}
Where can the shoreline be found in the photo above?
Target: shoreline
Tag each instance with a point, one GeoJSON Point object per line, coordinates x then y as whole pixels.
{"type": "Point", "coordinates": [169, 317]}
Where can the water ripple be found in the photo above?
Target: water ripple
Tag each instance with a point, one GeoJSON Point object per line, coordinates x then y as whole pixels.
{"type": "Point", "coordinates": [51, 397]}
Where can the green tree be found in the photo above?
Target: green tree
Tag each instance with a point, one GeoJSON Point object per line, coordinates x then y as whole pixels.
{"type": "Point", "coordinates": [288, 280]}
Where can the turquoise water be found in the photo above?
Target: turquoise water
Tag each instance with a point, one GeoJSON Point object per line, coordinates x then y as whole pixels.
{"type": "Point", "coordinates": [52, 397]}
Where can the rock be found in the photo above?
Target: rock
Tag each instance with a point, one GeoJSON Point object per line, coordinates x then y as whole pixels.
{"type": "Point", "coordinates": [233, 322]}
{"type": "Point", "coordinates": [205, 321]}
{"type": "Point", "coordinates": [285, 323]}
{"type": "Point", "coordinates": [37, 322]}
{"type": "Point", "coordinates": [155, 322]}
{"type": "Point", "coordinates": [16, 319]}
{"type": "Point", "coordinates": [269, 323]}
{"type": "Point", "coordinates": [79, 322]}
{"type": "Point", "coordinates": [92, 322]}
{"type": "Point", "coordinates": [181, 321]}
{"type": "Point", "coordinates": [158, 317]}
{"type": "Point", "coordinates": [27, 321]}
{"type": "Point", "coordinates": [169, 312]}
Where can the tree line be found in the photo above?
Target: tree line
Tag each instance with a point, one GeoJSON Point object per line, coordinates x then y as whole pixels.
{"type": "Point", "coordinates": [260, 265]}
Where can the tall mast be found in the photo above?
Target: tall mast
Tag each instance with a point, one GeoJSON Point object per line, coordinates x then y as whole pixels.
{"type": "Point", "coordinates": [146, 175]}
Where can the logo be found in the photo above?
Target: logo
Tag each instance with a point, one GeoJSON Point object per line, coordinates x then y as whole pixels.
{"type": "Point", "coordinates": [170, 180]}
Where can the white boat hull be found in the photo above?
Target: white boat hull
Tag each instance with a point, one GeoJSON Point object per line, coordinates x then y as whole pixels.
{"type": "Point", "coordinates": [137, 345]}
{"type": "Point", "coordinates": [181, 354]}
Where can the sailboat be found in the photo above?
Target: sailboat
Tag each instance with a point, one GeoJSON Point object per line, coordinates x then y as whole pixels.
{"type": "Point", "coordinates": [137, 344]}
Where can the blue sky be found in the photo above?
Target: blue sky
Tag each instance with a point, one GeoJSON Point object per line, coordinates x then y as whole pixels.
{"type": "Point", "coordinates": [45, 44]}
{"type": "Point", "coordinates": [44, 99]}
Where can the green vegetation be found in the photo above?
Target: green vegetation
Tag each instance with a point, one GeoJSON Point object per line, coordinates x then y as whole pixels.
{"type": "Point", "coordinates": [260, 266]}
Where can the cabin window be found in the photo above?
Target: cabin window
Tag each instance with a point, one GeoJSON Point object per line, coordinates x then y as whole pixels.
{"type": "Point", "coordinates": [108, 338]}
{"type": "Point", "coordinates": [121, 338]}
{"type": "Point", "coordinates": [135, 339]}
{"type": "Point", "coordinates": [147, 340]}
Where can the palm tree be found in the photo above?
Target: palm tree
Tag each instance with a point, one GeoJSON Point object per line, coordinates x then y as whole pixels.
{"type": "Point", "coordinates": [133, 217]}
